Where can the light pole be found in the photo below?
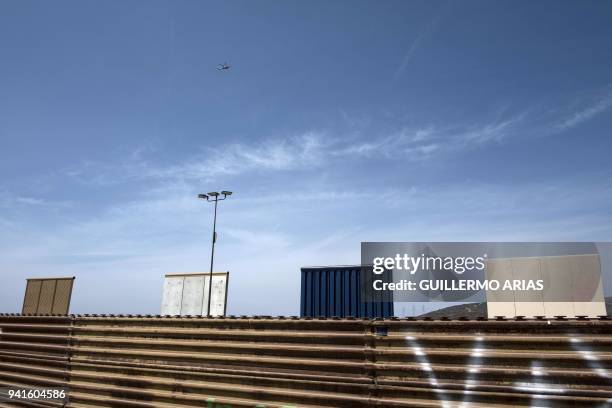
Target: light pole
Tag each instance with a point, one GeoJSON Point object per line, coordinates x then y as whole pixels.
{"type": "Point", "coordinates": [213, 197]}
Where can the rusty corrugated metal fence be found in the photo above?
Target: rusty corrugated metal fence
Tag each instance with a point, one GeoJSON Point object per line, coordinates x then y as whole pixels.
{"type": "Point", "coordinates": [138, 361]}
{"type": "Point", "coordinates": [34, 351]}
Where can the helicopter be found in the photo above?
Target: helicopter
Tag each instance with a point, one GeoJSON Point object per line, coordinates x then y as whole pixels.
{"type": "Point", "coordinates": [223, 67]}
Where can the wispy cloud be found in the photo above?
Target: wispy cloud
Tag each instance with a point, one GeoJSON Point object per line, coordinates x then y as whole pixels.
{"type": "Point", "coordinates": [427, 30]}
{"type": "Point", "coordinates": [588, 112]}
{"type": "Point", "coordinates": [11, 200]}
{"type": "Point", "coordinates": [310, 150]}
{"type": "Point", "coordinates": [272, 154]}
{"type": "Point", "coordinates": [411, 50]}
{"type": "Point", "coordinates": [269, 154]}
{"type": "Point", "coordinates": [494, 131]}
{"type": "Point", "coordinates": [405, 142]}
{"type": "Point", "coordinates": [315, 149]}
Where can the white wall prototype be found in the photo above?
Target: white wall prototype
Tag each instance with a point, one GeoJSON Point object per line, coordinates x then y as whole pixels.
{"type": "Point", "coordinates": [187, 294]}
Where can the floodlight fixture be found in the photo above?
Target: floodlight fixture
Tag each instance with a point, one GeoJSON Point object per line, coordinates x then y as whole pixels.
{"type": "Point", "coordinates": [213, 194]}
{"type": "Point", "coordinates": [204, 196]}
{"type": "Point", "coordinates": [226, 193]}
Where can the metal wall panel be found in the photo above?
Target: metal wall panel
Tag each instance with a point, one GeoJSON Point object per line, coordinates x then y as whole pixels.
{"type": "Point", "coordinates": [48, 296]}
{"type": "Point", "coordinates": [63, 294]}
{"type": "Point", "coordinates": [335, 291]}
{"type": "Point", "coordinates": [32, 293]}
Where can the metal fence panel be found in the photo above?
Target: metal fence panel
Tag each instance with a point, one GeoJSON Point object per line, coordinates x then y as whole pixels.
{"type": "Point", "coordinates": [137, 361]}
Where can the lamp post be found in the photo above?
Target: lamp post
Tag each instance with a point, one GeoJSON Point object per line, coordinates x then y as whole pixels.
{"type": "Point", "coordinates": [213, 197]}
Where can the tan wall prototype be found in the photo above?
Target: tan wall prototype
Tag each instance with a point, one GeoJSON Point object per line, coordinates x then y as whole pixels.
{"type": "Point", "coordinates": [566, 277]}
{"type": "Point", "coordinates": [48, 296]}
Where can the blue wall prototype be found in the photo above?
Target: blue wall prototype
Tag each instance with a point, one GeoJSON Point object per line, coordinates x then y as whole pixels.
{"type": "Point", "coordinates": [333, 291]}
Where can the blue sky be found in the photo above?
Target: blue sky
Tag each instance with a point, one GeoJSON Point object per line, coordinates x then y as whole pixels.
{"type": "Point", "coordinates": [339, 122]}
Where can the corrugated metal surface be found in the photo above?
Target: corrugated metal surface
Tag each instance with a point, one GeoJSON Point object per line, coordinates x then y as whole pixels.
{"type": "Point", "coordinates": [334, 291]}
{"type": "Point", "coordinates": [34, 352]}
{"type": "Point", "coordinates": [238, 362]}
{"type": "Point", "coordinates": [241, 362]}
{"type": "Point", "coordinates": [519, 363]}
{"type": "Point", "coordinates": [48, 296]}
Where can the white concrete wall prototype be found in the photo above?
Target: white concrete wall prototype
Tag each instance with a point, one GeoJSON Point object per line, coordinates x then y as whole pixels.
{"type": "Point", "coordinates": [187, 294]}
{"type": "Point", "coordinates": [568, 277]}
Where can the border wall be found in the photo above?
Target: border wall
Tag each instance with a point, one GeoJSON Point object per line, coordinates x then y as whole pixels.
{"type": "Point", "coordinates": [146, 361]}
